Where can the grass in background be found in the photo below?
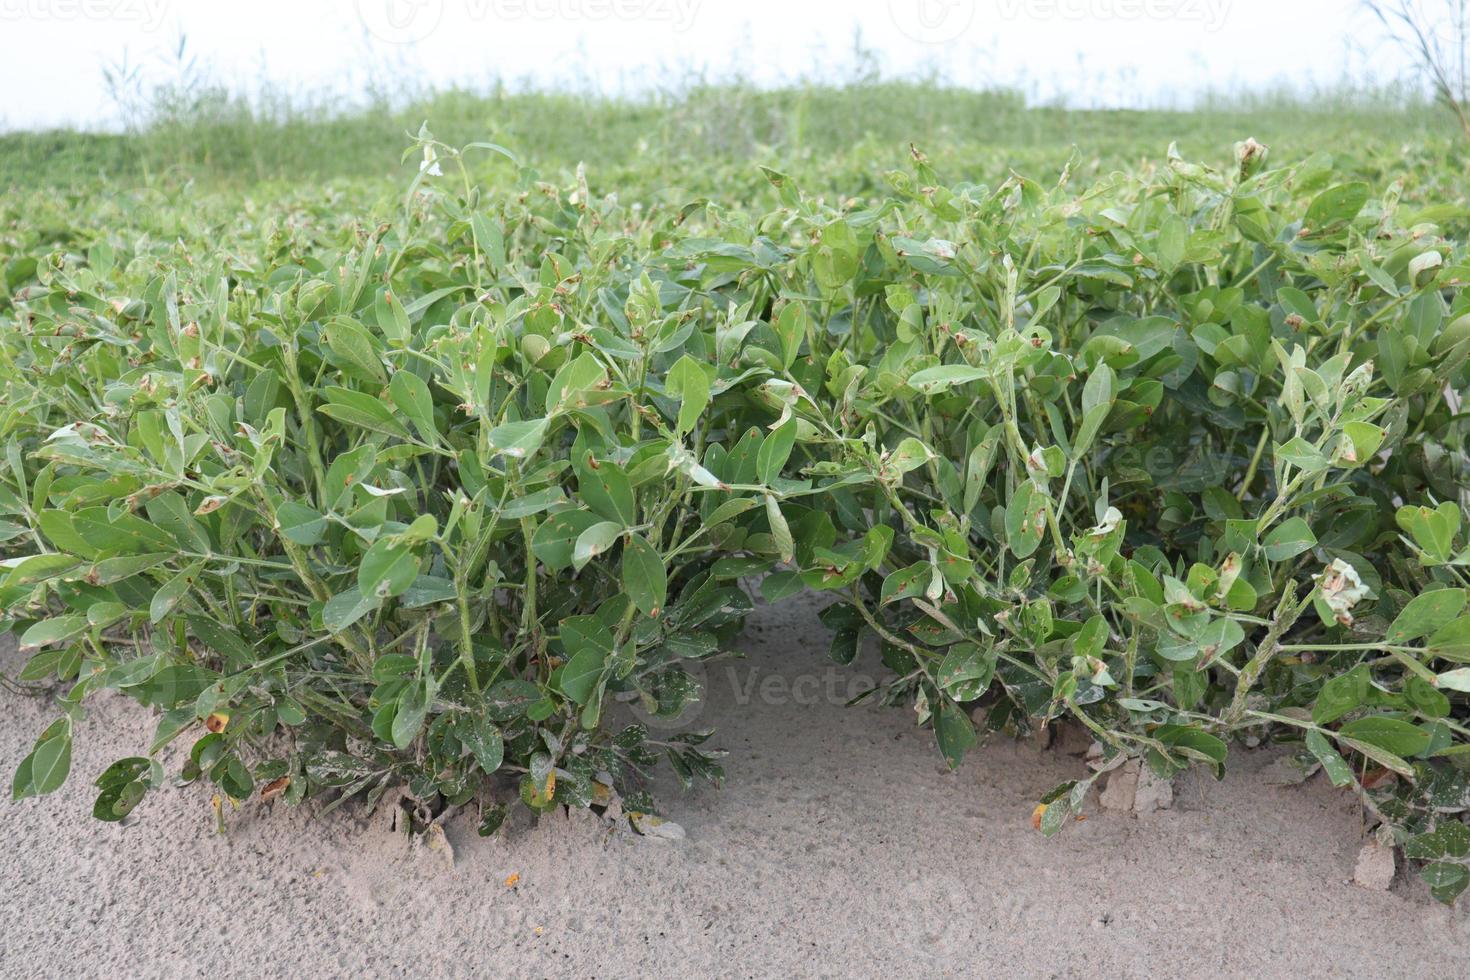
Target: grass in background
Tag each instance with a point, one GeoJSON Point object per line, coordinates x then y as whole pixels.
{"type": "Point", "coordinates": [209, 135]}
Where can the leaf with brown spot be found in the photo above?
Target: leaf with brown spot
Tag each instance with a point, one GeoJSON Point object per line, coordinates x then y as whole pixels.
{"type": "Point", "coordinates": [274, 788]}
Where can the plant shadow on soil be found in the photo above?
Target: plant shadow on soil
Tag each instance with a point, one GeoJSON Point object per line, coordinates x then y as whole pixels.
{"type": "Point", "coordinates": [838, 845]}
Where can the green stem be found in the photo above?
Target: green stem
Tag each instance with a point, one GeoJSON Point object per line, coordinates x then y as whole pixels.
{"type": "Point", "coordinates": [1287, 612]}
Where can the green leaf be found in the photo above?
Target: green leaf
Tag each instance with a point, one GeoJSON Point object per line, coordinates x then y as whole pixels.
{"type": "Point", "coordinates": [1425, 614]}
{"type": "Point", "coordinates": [1337, 769]}
{"type": "Point", "coordinates": [300, 524]}
{"type": "Point", "coordinates": [21, 784]}
{"type": "Point", "coordinates": [387, 569]}
{"type": "Point", "coordinates": [412, 397]}
{"type": "Point", "coordinates": [790, 327]}
{"type": "Point", "coordinates": [518, 440]}
{"type": "Point", "coordinates": [774, 451]}
{"type": "Point", "coordinates": [362, 410]}
{"type": "Point", "coordinates": [1451, 839]}
{"type": "Point", "coordinates": [1392, 734]}
{"type": "Point", "coordinates": [780, 530]}
{"type": "Point", "coordinates": [1289, 540]}
{"type": "Point", "coordinates": [112, 570]}
{"type": "Point", "coordinates": [1455, 680]}
{"type": "Point", "coordinates": [347, 472]}
{"type": "Point", "coordinates": [1219, 636]}
{"type": "Point", "coordinates": [594, 541]}
{"type": "Point", "coordinates": [46, 663]}
{"type": "Point", "coordinates": [1098, 395]}
{"type": "Point", "coordinates": [906, 583]}
{"type": "Point", "coordinates": [1432, 528]}
{"type": "Point", "coordinates": [428, 590]}
{"type": "Point", "coordinates": [729, 510]}
{"type": "Point", "coordinates": [1303, 455]}
{"type": "Point", "coordinates": [173, 592]}
{"type": "Point", "coordinates": [1025, 520]}
{"type": "Point", "coordinates": [644, 578]}
{"type": "Point", "coordinates": [1336, 204]}
{"type": "Point", "coordinates": [47, 766]}
{"type": "Point", "coordinates": [1295, 301]}
{"type": "Point", "coordinates": [1196, 744]}
{"type": "Point", "coordinates": [555, 540]}
{"type": "Point", "coordinates": [909, 455]}
{"type": "Point", "coordinates": [41, 568]}
{"type": "Point", "coordinates": [346, 608]}
{"type": "Point", "coordinates": [571, 387]}
{"type": "Point", "coordinates": [116, 802]}
{"type": "Point", "coordinates": [1451, 641]}
{"type": "Point", "coordinates": [424, 528]}
{"type": "Point", "coordinates": [50, 763]}
{"type": "Point", "coordinates": [1364, 439]}
{"type": "Point", "coordinates": [1341, 694]}
{"type": "Point", "coordinates": [936, 379]}
{"type": "Point", "coordinates": [56, 630]}
{"type": "Point", "coordinates": [122, 784]}
{"type": "Point", "coordinates": [1148, 336]}
{"type": "Point", "coordinates": [58, 528]}
{"type": "Point", "coordinates": [1173, 240]}
{"type": "Point", "coordinates": [355, 345]}
{"type": "Point", "coordinates": [966, 671]}
{"type": "Point", "coordinates": [413, 708]}
{"type": "Point", "coordinates": [171, 514]}
{"type": "Point", "coordinates": [484, 740]}
{"type": "Point", "coordinates": [604, 487]}
{"type": "Point", "coordinates": [1378, 754]}
{"type": "Point", "coordinates": [954, 732]}
{"type": "Point", "coordinates": [1100, 389]}
{"type": "Point", "coordinates": [532, 503]}
{"type": "Point", "coordinates": [1446, 881]}
{"type": "Point", "coordinates": [581, 674]}
{"type": "Point", "coordinates": [1425, 697]}
{"type": "Point", "coordinates": [688, 382]}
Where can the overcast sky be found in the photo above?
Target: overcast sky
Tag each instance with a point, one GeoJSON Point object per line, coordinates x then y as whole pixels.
{"type": "Point", "coordinates": [1091, 52]}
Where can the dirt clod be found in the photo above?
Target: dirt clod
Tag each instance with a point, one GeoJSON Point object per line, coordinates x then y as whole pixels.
{"type": "Point", "coordinates": [1375, 868]}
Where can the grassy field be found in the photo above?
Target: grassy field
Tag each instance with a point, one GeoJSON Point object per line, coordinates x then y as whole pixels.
{"type": "Point", "coordinates": [700, 137]}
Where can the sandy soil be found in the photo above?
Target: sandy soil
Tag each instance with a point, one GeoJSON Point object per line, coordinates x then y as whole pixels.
{"type": "Point", "coordinates": [837, 847]}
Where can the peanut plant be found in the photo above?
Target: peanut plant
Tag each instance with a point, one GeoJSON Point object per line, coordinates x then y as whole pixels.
{"type": "Point", "coordinates": [1176, 454]}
